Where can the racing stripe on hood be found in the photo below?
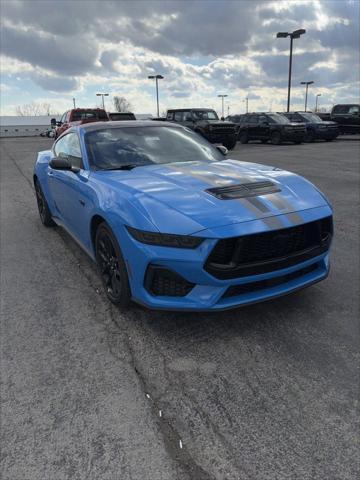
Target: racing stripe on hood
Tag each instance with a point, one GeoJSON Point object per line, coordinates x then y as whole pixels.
{"type": "Point", "coordinates": [254, 204]}
{"type": "Point", "coordinates": [282, 204]}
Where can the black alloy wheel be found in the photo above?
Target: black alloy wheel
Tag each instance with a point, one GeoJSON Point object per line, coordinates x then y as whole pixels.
{"type": "Point", "coordinates": [112, 267]}
{"type": "Point", "coordinates": [275, 138]}
{"type": "Point", "coordinates": [230, 145]}
{"type": "Point", "coordinates": [243, 137]}
{"type": "Point", "coordinates": [309, 137]}
{"type": "Point", "coordinates": [44, 211]}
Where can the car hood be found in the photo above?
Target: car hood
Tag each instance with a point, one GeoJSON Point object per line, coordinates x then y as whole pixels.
{"type": "Point", "coordinates": [174, 199]}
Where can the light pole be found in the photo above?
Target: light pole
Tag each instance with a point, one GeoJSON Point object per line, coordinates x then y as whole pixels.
{"type": "Point", "coordinates": [246, 100]}
{"type": "Point", "coordinates": [157, 77]}
{"type": "Point", "coordinates": [222, 104]}
{"type": "Point", "coordinates": [306, 90]}
{"type": "Point", "coordinates": [74, 102]}
{"type": "Point", "coordinates": [102, 95]}
{"type": "Point", "coordinates": [292, 35]}
{"type": "Point", "coordinates": [316, 101]}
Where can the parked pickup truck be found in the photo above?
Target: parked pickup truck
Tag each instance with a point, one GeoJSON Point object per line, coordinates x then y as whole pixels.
{"type": "Point", "coordinates": [347, 116]}
{"type": "Point", "coordinates": [78, 116]}
{"type": "Point", "coordinates": [205, 122]}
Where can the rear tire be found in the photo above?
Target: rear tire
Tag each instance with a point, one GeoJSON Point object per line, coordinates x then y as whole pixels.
{"type": "Point", "coordinates": [275, 138]}
{"type": "Point", "coordinates": [243, 137]}
{"type": "Point", "coordinates": [44, 211]}
{"type": "Point", "coordinates": [112, 267]}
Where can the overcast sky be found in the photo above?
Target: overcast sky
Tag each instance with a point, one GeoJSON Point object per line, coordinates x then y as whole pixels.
{"type": "Point", "coordinates": [53, 51]}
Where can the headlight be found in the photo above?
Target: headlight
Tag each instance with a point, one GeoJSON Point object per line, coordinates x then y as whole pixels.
{"type": "Point", "coordinates": [165, 239]}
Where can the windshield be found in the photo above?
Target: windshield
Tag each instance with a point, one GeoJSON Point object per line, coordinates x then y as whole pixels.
{"type": "Point", "coordinates": [122, 116]}
{"type": "Point", "coordinates": [89, 114]}
{"type": "Point", "coordinates": [311, 117]}
{"type": "Point", "coordinates": [277, 118]}
{"type": "Point", "coordinates": [205, 115]}
{"type": "Point", "coordinates": [114, 148]}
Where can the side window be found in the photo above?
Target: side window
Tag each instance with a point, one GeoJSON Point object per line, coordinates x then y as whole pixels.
{"type": "Point", "coordinates": [63, 118]}
{"type": "Point", "coordinates": [354, 109]}
{"type": "Point", "coordinates": [187, 117]}
{"type": "Point", "coordinates": [69, 147]}
{"type": "Point", "coordinates": [68, 116]}
{"type": "Point", "coordinates": [263, 119]}
{"type": "Point", "coordinates": [170, 116]}
{"type": "Point", "coordinates": [178, 116]}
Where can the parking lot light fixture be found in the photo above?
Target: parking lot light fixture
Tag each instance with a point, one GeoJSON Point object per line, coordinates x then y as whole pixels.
{"type": "Point", "coordinates": [102, 95]}
{"type": "Point", "coordinates": [156, 77]}
{"type": "Point", "coordinates": [222, 104]}
{"type": "Point", "coordinates": [316, 101]}
{"type": "Point", "coordinates": [292, 35]}
{"type": "Point", "coordinates": [306, 90]}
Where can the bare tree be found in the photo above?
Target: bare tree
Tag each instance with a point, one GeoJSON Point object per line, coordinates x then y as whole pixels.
{"type": "Point", "coordinates": [121, 104]}
{"type": "Point", "coordinates": [33, 109]}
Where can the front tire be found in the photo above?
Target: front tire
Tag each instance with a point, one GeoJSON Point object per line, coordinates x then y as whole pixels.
{"type": "Point", "coordinates": [43, 207]}
{"type": "Point", "coordinates": [275, 138]}
{"type": "Point", "coordinates": [230, 145]}
{"type": "Point", "coordinates": [112, 267]}
{"type": "Point", "coordinates": [243, 137]}
{"type": "Point", "coordinates": [309, 137]}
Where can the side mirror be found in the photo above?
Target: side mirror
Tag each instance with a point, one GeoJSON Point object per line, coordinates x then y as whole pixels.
{"type": "Point", "coordinates": [58, 124]}
{"type": "Point", "coordinates": [222, 149]}
{"type": "Point", "coordinates": [62, 163]}
{"type": "Point", "coordinates": [264, 123]}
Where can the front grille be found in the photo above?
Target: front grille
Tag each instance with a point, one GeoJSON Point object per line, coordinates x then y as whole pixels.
{"type": "Point", "coordinates": [236, 290]}
{"type": "Point", "coordinates": [268, 251]}
{"type": "Point", "coordinates": [160, 281]}
{"type": "Point", "coordinates": [222, 129]}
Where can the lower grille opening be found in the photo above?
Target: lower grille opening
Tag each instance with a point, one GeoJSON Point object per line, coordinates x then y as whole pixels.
{"type": "Point", "coordinates": [236, 290]}
{"type": "Point", "coordinates": [268, 251]}
{"type": "Point", "coordinates": [161, 282]}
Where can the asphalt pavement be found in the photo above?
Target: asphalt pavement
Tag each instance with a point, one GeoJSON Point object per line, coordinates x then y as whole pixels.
{"type": "Point", "coordinates": [266, 392]}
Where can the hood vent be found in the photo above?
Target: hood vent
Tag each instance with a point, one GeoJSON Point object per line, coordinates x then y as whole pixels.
{"type": "Point", "coordinates": [243, 190]}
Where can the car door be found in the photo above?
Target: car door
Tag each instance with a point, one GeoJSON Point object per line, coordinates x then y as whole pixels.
{"type": "Point", "coordinates": [69, 190]}
{"type": "Point", "coordinates": [253, 126]}
{"type": "Point", "coordinates": [263, 129]}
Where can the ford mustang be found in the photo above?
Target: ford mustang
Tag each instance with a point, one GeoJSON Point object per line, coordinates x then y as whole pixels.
{"type": "Point", "coordinates": [173, 224]}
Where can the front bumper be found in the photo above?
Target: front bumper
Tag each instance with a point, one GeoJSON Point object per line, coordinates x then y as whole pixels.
{"type": "Point", "coordinates": [328, 134]}
{"type": "Point", "coordinates": [207, 292]}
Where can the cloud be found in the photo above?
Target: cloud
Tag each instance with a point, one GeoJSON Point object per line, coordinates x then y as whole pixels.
{"type": "Point", "coordinates": [55, 83]}
{"type": "Point", "coordinates": [202, 48]}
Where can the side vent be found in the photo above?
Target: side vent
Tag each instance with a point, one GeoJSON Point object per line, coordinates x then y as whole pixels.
{"type": "Point", "coordinates": [243, 190]}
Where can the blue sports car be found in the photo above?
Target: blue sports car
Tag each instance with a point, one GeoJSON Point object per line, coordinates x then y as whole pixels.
{"type": "Point", "coordinates": [173, 224]}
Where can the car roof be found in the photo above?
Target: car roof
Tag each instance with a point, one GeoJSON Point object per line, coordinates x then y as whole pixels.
{"type": "Point", "coordinates": [89, 127]}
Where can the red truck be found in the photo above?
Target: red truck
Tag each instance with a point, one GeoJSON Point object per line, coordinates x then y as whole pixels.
{"type": "Point", "coordinates": [78, 116]}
